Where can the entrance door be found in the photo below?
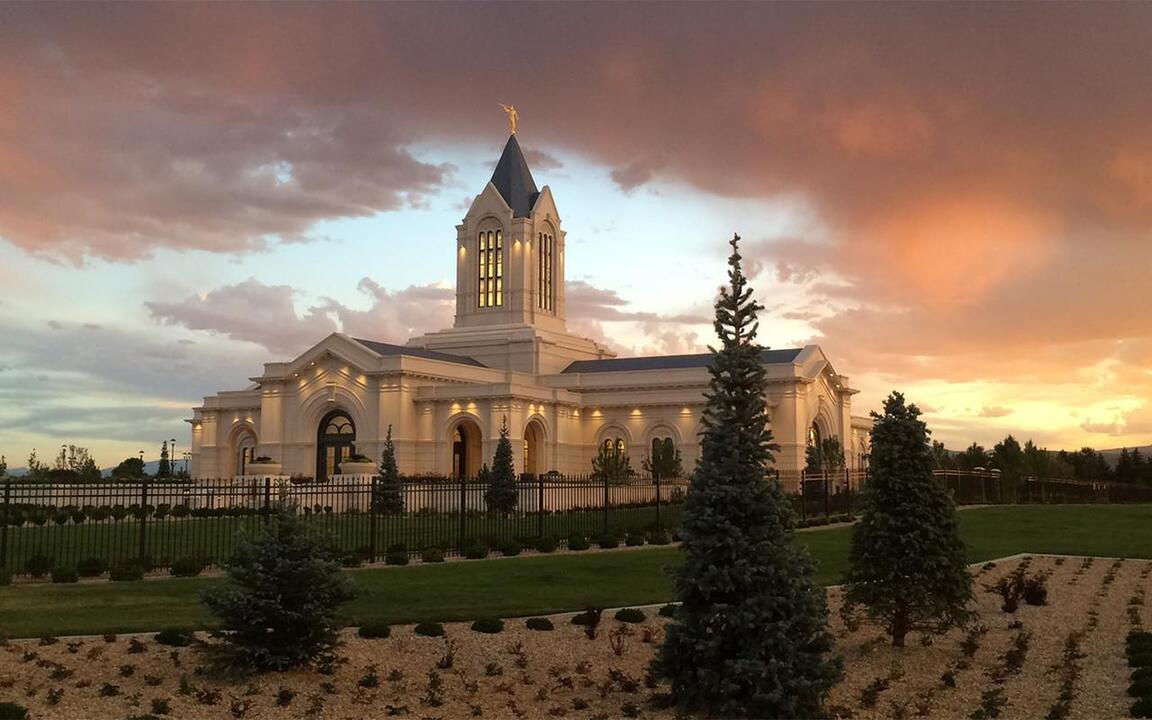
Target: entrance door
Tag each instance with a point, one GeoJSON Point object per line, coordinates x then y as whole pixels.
{"type": "Point", "coordinates": [336, 440]}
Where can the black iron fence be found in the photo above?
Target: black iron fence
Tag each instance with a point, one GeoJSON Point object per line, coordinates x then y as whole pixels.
{"type": "Point", "coordinates": [153, 523]}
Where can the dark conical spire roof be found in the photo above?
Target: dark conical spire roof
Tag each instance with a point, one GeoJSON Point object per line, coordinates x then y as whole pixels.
{"type": "Point", "coordinates": [513, 180]}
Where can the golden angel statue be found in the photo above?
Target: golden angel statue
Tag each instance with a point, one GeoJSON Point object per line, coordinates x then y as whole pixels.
{"type": "Point", "coordinates": [512, 116]}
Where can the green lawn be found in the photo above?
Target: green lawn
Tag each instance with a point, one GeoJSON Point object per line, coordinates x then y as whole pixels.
{"type": "Point", "coordinates": [544, 584]}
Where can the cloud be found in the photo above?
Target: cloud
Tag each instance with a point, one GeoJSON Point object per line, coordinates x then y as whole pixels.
{"type": "Point", "coordinates": [266, 314]}
{"type": "Point", "coordinates": [540, 160]}
{"type": "Point", "coordinates": [633, 175]}
{"type": "Point", "coordinates": [995, 411]}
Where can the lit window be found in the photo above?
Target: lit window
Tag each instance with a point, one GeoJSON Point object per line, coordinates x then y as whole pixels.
{"type": "Point", "coordinates": [546, 266]}
{"type": "Point", "coordinates": [490, 267]}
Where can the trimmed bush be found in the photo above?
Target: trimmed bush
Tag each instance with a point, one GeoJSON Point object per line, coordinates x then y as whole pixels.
{"type": "Point", "coordinates": [659, 537]}
{"type": "Point", "coordinates": [430, 629]}
{"type": "Point", "coordinates": [578, 542]}
{"type": "Point", "coordinates": [396, 548]}
{"type": "Point", "coordinates": [175, 637]}
{"type": "Point", "coordinates": [539, 623]}
{"type": "Point", "coordinates": [91, 567]}
{"type": "Point", "coordinates": [510, 548]}
{"type": "Point", "coordinates": [432, 555]}
{"type": "Point", "coordinates": [5, 577]}
{"type": "Point", "coordinates": [634, 539]}
{"type": "Point", "coordinates": [126, 572]}
{"type": "Point", "coordinates": [474, 551]}
{"type": "Point", "coordinates": [488, 625]}
{"type": "Point", "coordinates": [374, 631]}
{"type": "Point", "coordinates": [607, 542]}
{"type": "Point", "coordinates": [587, 617]}
{"type": "Point", "coordinates": [546, 545]}
{"type": "Point", "coordinates": [396, 558]}
{"type": "Point", "coordinates": [630, 615]}
{"type": "Point", "coordinates": [12, 711]}
{"type": "Point", "coordinates": [62, 575]}
{"type": "Point", "coordinates": [186, 567]}
{"type": "Point", "coordinates": [668, 610]}
{"type": "Point", "coordinates": [39, 565]}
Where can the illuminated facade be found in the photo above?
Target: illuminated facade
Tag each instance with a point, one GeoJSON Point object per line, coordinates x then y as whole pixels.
{"type": "Point", "coordinates": [508, 355]}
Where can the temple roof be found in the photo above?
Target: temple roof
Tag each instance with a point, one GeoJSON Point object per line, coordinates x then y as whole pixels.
{"type": "Point", "coordinates": [513, 180]}
{"type": "Point", "coordinates": [670, 362]}
{"type": "Point", "coordinates": [382, 348]}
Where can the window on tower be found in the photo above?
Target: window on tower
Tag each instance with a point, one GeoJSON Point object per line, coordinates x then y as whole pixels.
{"type": "Point", "coordinates": [490, 268]}
{"type": "Point", "coordinates": [546, 266]}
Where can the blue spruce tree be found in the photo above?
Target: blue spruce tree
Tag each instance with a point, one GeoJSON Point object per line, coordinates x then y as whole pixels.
{"type": "Point", "coordinates": [750, 637]}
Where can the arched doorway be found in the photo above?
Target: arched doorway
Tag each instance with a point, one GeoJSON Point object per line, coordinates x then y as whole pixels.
{"type": "Point", "coordinates": [465, 439]}
{"type": "Point", "coordinates": [534, 461]}
{"type": "Point", "coordinates": [244, 452]}
{"type": "Point", "coordinates": [335, 441]}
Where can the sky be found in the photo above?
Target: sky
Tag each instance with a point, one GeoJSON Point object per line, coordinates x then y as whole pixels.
{"type": "Point", "coordinates": [953, 200]}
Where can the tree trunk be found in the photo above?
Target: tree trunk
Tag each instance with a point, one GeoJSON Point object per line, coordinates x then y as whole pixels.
{"type": "Point", "coordinates": [899, 627]}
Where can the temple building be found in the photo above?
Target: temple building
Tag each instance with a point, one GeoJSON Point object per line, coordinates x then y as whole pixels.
{"type": "Point", "coordinates": [510, 355]}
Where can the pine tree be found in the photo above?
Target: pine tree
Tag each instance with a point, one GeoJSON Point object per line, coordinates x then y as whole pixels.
{"type": "Point", "coordinates": [907, 565]}
{"type": "Point", "coordinates": [501, 495]}
{"type": "Point", "coordinates": [664, 462]}
{"type": "Point", "coordinates": [164, 469]}
{"type": "Point", "coordinates": [388, 493]}
{"type": "Point", "coordinates": [750, 637]}
{"type": "Point", "coordinates": [278, 609]}
{"type": "Point", "coordinates": [611, 466]}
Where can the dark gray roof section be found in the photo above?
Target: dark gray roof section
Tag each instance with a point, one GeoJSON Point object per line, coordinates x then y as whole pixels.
{"type": "Point", "coordinates": [670, 362]}
{"type": "Point", "coordinates": [514, 180]}
{"type": "Point", "coordinates": [386, 349]}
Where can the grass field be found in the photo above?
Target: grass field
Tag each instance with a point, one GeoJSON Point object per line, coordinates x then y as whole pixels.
{"type": "Point", "coordinates": [544, 584]}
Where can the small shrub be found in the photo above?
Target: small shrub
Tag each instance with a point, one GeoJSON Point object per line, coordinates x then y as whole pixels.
{"type": "Point", "coordinates": [488, 625]}
{"type": "Point", "coordinates": [590, 620]}
{"type": "Point", "coordinates": [474, 551]}
{"type": "Point", "coordinates": [63, 575]}
{"type": "Point", "coordinates": [668, 611]}
{"type": "Point", "coordinates": [135, 647]}
{"type": "Point", "coordinates": [659, 537]}
{"type": "Point", "coordinates": [5, 576]}
{"type": "Point", "coordinates": [578, 543]}
{"type": "Point", "coordinates": [546, 545]}
{"type": "Point", "coordinates": [539, 623]}
{"type": "Point", "coordinates": [175, 637]}
{"type": "Point", "coordinates": [285, 696]}
{"type": "Point", "coordinates": [39, 565]}
{"type": "Point", "coordinates": [634, 539]}
{"type": "Point", "coordinates": [91, 567]}
{"type": "Point", "coordinates": [109, 690]}
{"type": "Point", "coordinates": [448, 659]}
{"type": "Point", "coordinates": [396, 557]}
{"type": "Point", "coordinates": [871, 692]}
{"type": "Point", "coordinates": [374, 631]}
{"type": "Point", "coordinates": [126, 572]}
{"type": "Point", "coordinates": [109, 637]}
{"type": "Point", "coordinates": [1035, 591]}
{"type": "Point", "coordinates": [432, 555]}
{"type": "Point", "coordinates": [430, 629]}
{"type": "Point", "coordinates": [510, 548]}
{"type": "Point", "coordinates": [186, 567]}
{"type": "Point", "coordinates": [127, 670]}
{"type": "Point", "coordinates": [370, 679]}
{"type": "Point", "coordinates": [630, 615]}
{"type": "Point", "coordinates": [161, 706]}
{"type": "Point", "coordinates": [607, 542]}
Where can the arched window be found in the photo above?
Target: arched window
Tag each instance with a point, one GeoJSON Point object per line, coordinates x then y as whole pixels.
{"type": "Point", "coordinates": [490, 268]}
{"type": "Point", "coordinates": [335, 441]}
{"type": "Point", "coordinates": [615, 445]}
{"type": "Point", "coordinates": [546, 267]}
{"type": "Point", "coordinates": [663, 461]}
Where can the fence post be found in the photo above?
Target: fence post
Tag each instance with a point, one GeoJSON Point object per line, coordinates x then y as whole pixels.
{"type": "Point", "coordinates": [848, 493]}
{"type": "Point", "coordinates": [540, 507]}
{"type": "Point", "coordinates": [372, 520]}
{"type": "Point", "coordinates": [605, 503]}
{"type": "Point", "coordinates": [656, 481]}
{"type": "Point", "coordinates": [4, 524]}
{"type": "Point", "coordinates": [803, 495]}
{"type": "Point", "coordinates": [143, 519]}
{"type": "Point", "coordinates": [267, 498]}
{"type": "Point", "coordinates": [827, 495]}
{"type": "Point", "coordinates": [463, 500]}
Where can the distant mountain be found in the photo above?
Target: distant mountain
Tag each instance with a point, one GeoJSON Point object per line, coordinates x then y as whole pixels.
{"type": "Point", "coordinates": [1112, 454]}
{"type": "Point", "coordinates": [150, 467]}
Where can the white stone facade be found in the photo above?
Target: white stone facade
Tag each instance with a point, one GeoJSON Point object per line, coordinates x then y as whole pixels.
{"type": "Point", "coordinates": [508, 355]}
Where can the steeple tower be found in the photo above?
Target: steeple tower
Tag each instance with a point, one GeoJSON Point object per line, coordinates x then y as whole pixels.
{"type": "Point", "coordinates": [510, 275]}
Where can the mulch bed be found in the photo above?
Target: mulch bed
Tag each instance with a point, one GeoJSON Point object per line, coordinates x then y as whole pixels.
{"type": "Point", "coordinates": [524, 673]}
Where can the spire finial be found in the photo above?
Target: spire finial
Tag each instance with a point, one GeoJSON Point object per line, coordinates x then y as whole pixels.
{"type": "Point", "coordinates": [512, 117]}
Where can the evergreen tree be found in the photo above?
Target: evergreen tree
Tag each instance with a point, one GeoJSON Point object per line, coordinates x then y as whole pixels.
{"type": "Point", "coordinates": [502, 494]}
{"type": "Point", "coordinates": [165, 468]}
{"type": "Point", "coordinates": [941, 458]}
{"type": "Point", "coordinates": [129, 468]}
{"type": "Point", "coordinates": [664, 462]}
{"type": "Point", "coordinates": [907, 565]}
{"type": "Point", "coordinates": [975, 456]}
{"type": "Point", "coordinates": [389, 498]}
{"type": "Point", "coordinates": [3, 467]}
{"type": "Point", "coordinates": [278, 609]}
{"type": "Point", "coordinates": [1008, 458]}
{"type": "Point", "coordinates": [611, 465]}
{"type": "Point", "coordinates": [750, 637]}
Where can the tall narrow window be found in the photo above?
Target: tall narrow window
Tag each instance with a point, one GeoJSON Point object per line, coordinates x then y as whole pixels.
{"type": "Point", "coordinates": [490, 269]}
{"type": "Point", "coordinates": [546, 264]}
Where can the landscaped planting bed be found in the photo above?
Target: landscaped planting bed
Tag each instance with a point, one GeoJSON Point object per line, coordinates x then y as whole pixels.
{"type": "Point", "coordinates": [1064, 659]}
